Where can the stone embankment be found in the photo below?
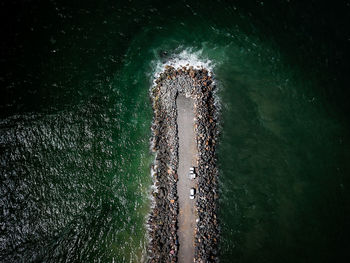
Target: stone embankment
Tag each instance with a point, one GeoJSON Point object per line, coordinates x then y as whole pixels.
{"type": "Point", "coordinates": [198, 85]}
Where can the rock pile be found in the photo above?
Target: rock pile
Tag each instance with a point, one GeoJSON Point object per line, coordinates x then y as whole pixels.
{"type": "Point", "coordinates": [197, 84]}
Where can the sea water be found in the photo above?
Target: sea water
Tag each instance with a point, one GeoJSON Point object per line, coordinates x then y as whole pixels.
{"type": "Point", "coordinates": [75, 129]}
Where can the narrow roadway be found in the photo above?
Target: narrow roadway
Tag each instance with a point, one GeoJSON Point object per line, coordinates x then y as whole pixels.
{"type": "Point", "coordinates": [187, 158]}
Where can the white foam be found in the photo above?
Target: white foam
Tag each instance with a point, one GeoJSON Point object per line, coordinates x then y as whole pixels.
{"type": "Point", "coordinates": [186, 59]}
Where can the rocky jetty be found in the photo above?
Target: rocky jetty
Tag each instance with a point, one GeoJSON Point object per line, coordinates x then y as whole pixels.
{"type": "Point", "coordinates": [162, 222]}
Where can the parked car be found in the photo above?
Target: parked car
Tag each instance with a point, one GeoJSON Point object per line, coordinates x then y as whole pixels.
{"type": "Point", "coordinates": [192, 174]}
{"type": "Point", "coordinates": [192, 193]}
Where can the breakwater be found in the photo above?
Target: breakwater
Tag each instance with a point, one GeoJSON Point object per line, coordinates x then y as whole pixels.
{"type": "Point", "coordinates": [163, 220]}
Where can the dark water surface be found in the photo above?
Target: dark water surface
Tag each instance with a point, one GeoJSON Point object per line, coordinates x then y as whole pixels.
{"type": "Point", "coordinates": [75, 125]}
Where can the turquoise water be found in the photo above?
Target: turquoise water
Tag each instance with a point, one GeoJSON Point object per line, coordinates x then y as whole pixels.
{"type": "Point", "coordinates": [75, 128]}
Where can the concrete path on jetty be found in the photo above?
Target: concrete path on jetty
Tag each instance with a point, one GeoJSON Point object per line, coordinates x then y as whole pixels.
{"type": "Point", "coordinates": [187, 158]}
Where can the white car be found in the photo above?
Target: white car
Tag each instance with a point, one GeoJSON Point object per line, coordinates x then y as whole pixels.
{"type": "Point", "coordinates": [192, 193]}
{"type": "Point", "coordinates": [192, 174]}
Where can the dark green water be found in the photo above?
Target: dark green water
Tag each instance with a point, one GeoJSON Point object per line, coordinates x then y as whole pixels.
{"type": "Point", "coordinates": [75, 126]}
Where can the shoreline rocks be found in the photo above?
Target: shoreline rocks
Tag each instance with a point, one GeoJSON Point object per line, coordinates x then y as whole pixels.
{"type": "Point", "coordinates": [162, 221]}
